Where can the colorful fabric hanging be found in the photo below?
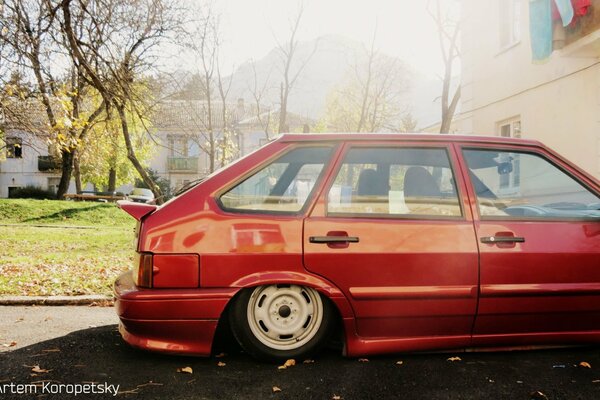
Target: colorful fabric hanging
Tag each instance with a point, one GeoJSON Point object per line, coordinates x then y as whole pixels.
{"type": "Point", "coordinates": [540, 29]}
{"type": "Point", "coordinates": [565, 10]}
{"type": "Point", "coordinates": [581, 7]}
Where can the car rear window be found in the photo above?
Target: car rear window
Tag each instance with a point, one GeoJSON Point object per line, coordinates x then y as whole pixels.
{"type": "Point", "coordinates": [282, 186]}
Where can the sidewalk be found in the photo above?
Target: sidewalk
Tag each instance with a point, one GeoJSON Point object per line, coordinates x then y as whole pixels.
{"type": "Point", "coordinates": [28, 325]}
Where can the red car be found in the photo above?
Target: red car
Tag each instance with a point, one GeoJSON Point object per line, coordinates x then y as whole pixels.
{"type": "Point", "coordinates": [397, 242]}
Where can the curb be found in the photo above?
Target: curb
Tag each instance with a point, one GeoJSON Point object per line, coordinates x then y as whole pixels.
{"type": "Point", "coordinates": [54, 300]}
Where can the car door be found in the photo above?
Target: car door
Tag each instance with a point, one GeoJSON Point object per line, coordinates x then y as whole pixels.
{"type": "Point", "coordinates": [538, 228]}
{"type": "Point", "coordinates": [391, 230]}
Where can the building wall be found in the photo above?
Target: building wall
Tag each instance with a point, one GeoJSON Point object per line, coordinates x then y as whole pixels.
{"type": "Point", "coordinates": [557, 102]}
{"type": "Point", "coordinates": [20, 172]}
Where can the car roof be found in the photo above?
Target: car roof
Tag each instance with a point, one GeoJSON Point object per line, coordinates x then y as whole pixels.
{"type": "Point", "coordinates": [405, 137]}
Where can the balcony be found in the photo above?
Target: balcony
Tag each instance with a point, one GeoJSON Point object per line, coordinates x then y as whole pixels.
{"type": "Point", "coordinates": [182, 164]}
{"type": "Point", "coordinates": [583, 38]}
{"type": "Point", "coordinates": [49, 163]}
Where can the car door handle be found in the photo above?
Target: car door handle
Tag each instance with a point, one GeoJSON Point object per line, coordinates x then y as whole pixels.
{"type": "Point", "coordinates": [333, 239]}
{"type": "Point", "coordinates": [502, 239]}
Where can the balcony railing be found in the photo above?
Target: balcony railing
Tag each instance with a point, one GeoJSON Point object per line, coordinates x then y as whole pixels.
{"type": "Point", "coordinates": [182, 164]}
{"type": "Point", "coordinates": [49, 163]}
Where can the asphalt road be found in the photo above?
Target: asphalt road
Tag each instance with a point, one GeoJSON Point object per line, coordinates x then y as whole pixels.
{"type": "Point", "coordinates": [97, 354]}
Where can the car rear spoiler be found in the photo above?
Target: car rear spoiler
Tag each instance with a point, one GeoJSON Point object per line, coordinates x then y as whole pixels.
{"type": "Point", "coordinates": [136, 210]}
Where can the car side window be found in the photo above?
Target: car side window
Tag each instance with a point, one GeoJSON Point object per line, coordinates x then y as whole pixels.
{"type": "Point", "coordinates": [520, 184]}
{"type": "Point", "coordinates": [283, 186]}
{"type": "Point", "coordinates": [395, 182]}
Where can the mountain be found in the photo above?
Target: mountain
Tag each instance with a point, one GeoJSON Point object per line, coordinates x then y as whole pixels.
{"type": "Point", "coordinates": [330, 59]}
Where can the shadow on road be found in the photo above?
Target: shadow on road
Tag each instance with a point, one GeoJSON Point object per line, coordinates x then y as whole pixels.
{"type": "Point", "coordinates": [100, 355]}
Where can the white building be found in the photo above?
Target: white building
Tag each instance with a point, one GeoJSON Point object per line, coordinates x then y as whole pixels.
{"type": "Point", "coordinates": [505, 93]}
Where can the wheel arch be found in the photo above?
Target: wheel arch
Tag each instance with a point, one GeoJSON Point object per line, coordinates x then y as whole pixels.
{"type": "Point", "coordinates": [341, 306]}
{"type": "Point", "coordinates": [330, 291]}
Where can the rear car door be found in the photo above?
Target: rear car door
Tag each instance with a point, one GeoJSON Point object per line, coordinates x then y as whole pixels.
{"type": "Point", "coordinates": [390, 229]}
{"type": "Point", "coordinates": [539, 238]}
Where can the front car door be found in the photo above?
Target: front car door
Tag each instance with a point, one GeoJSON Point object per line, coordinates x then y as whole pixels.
{"type": "Point", "coordinates": [392, 231]}
{"type": "Point", "coordinates": [539, 237]}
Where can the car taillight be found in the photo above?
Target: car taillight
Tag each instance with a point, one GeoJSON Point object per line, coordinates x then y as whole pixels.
{"type": "Point", "coordinates": [142, 273]}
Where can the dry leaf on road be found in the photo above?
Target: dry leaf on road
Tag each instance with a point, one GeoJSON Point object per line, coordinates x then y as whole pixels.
{"type": "Point", "coordinates": [336, 397]}
{"type": "Point", "coordinates": [276, 389]}
{"type": "Point", "coordinates": [363, 360]}
{"type": "Point", "coordinates": [454, 359]}
{"type": "Point", "coordinates": [289, 363]}
{"type": "Point", "coordinates": [537, 395]}
{"type": "Point", "coordinates": [399, 362]}
{"type": "Point", "coordinates": [221, 364]}
{"type": "Point", "coordinates": [585, 364]}
{"type": "Point", "coordinates": [308, 361]}
{"type": "Point", "coordinates": [185, 370]}
{"type": "Point", "coordinates": [11, 344]}
{"type": "Point", "coordinates": [37, 369]}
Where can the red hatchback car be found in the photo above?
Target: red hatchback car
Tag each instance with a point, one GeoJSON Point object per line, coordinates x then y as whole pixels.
{"type": "Point", "coordinates": [402, 242]}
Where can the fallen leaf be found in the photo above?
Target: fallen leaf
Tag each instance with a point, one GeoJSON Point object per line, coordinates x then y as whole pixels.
{"type": "Point", "coordinates": [37, 369]}
{"type": "Point", "coordinates": [596, 381]}
{"type": "Point", "coordinates": [454, 359]}
{"type": "Point", "coordinates": [289, 363]}
{"type": "Point", "coordinates": [336, 397]}
{"type": "Point", "coordinates": [585, 364]}
{"type": "Point", "coordinates": [221, 364]}
{"type": "Point", "coordinates": [11, 344]}
{"type": "Point", "coordinates": [537, 395]}
{"type": "Point", "coordinates": [308, 361]}
{"type": "Point", "coordinates": [220, 355]}
{"type": "Point", "coordinates": [399, 362]}
{"type": "Point", "coordinates": [276, 389]}
{"type": "Point", "coordinates": [185, 370]}
{"type": "Point", "coordinates": [363, 360]}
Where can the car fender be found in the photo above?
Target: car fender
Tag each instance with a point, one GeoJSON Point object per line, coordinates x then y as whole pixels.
{"type": "Point", "coordinates": [296, 278]}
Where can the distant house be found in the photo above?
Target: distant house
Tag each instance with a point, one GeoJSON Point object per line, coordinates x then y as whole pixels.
{"type": "Point", "coordinates": [506, 93]}
{"type": "Point", "coordinates": [25, 159]}
{"type": "Point", "coordinates": [182, 135]}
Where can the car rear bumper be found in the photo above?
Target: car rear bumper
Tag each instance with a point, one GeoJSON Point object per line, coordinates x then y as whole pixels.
{"type": "Point", "coordinates": [169, 320]}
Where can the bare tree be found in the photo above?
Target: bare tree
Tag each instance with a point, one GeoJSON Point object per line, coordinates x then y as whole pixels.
{"type": "Point", "coordinates": [259, 91]}
{"type": "Point", "coordinates": [115, 48]}
{"type": "Point", "coordinates": [288, 52]}
{"type": "Point", "coordinates": [369, 99]}
{"type": "Point", "coordinates": [448, 31]}
{"type": "Point", "coordinates": [210, 119]}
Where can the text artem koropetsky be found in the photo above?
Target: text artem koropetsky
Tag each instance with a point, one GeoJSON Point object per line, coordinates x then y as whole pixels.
{"type": "Point", "coordinates": [74, 389]}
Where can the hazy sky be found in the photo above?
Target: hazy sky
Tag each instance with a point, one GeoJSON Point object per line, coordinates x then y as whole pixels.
{"type": "Point", "coordinates": [404, 28]}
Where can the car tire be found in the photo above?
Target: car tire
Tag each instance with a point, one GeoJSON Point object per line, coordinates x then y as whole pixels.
{"type": "Point", "coordinates": [280, 322]}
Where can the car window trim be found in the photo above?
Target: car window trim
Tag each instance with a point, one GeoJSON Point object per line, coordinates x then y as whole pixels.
{"type": "Point", "coordinates": [410, 217]}
{"type": "Point", "coordinates": [552, 160]}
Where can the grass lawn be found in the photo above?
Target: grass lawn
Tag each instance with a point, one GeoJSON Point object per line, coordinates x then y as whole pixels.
{"type": "Point", "coordinates": [56, 258]}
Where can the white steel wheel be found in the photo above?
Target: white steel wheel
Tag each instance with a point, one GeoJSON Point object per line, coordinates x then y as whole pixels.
{"type": "Point", "coordinates": [277, 322]}
{"type": "Point", "coordinates": [284, 318]}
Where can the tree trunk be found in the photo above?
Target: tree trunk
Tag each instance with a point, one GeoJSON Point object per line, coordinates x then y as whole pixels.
{"type": "Point", "coordinates": [65, 178]}
{"type": "Point", "coordinates": [77, 173]}
{"type": "Point", "coordinates": [158, 195]}
{"type": "Point", "coordinates": [112, 180]}
{"type": "Point", "coordinates": [283, 97]}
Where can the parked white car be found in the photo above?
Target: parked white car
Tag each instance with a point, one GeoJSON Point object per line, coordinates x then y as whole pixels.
{"type": "Point", "coordinates": [140, 195]}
